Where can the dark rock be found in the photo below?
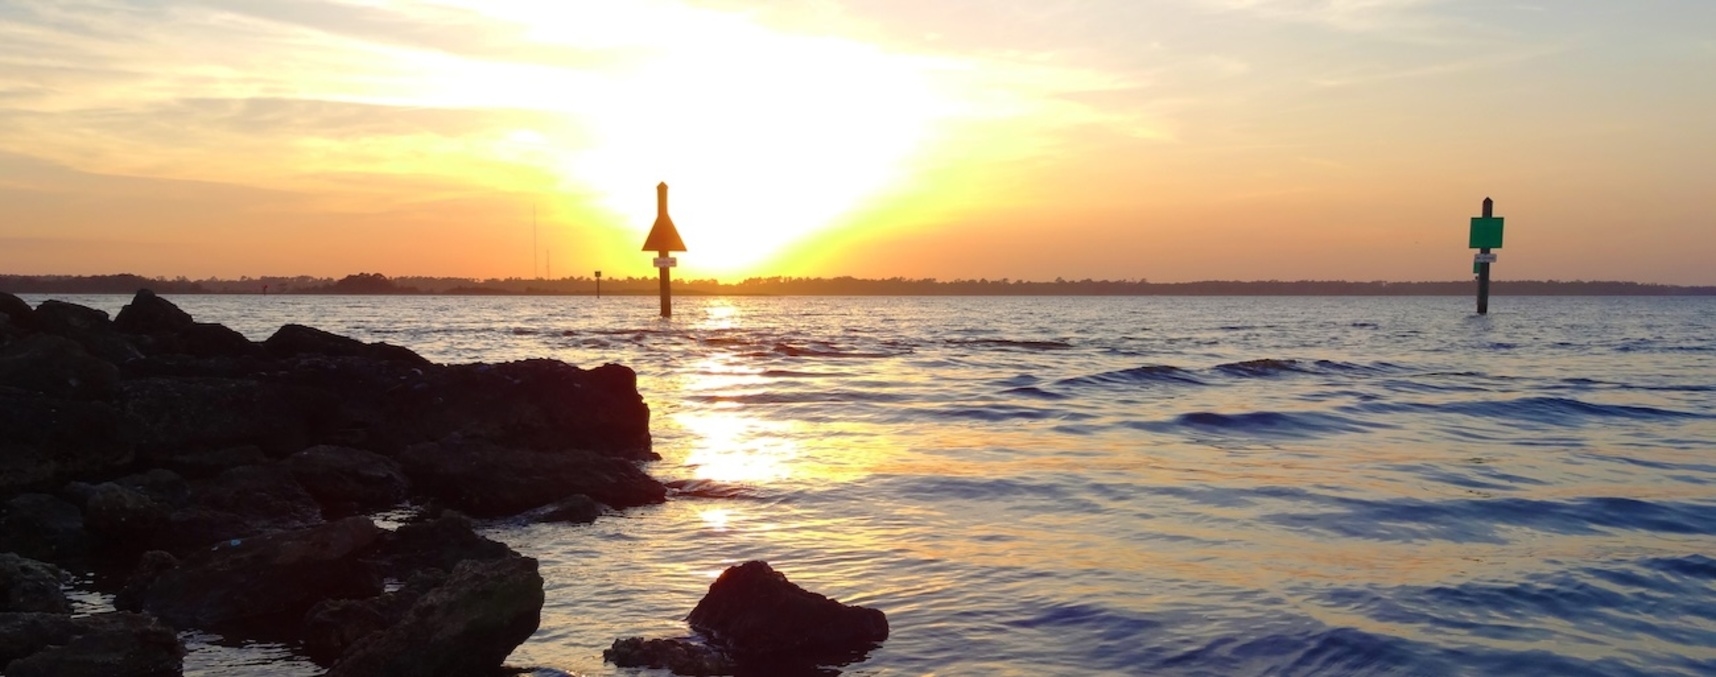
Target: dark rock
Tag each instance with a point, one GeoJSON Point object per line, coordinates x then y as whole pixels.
{"type": "Point", "coordinates": [105, 645]}
{"type": "Point", "coordinates": [577, 509]}
{"type": "Point", "coordinates": [151, 314]}
{"type": "Point", "coordinates": [56, 366]}
{"type": "Point", "coordinates": [466, 626]}
{"type": "Point", "coordinates": [279, 573]}
{"type": "Point", "coordinates": [334, 625]}
{"type": "Point", "coordinates": [149, 568]}
{"type": "Point", "coordinates": [203, 464]}
{"type": "Point", "coordinates": [29, 585]}
{"type": "Point", "coordinates": [206, 339]}
{"type": "Point", "coordinates": [441, 543]}
{"type": "Point", "coordinates": [9, 332]}
{"type": "Point", "coordinates": [757, 614]}
{"type": "Point", "coordinates": [16, 310]}
{"type": "Point", "coordinates": [46, 441]}
{"type": "Point", "coordinates": [159, 484]}
{"type": "Point", "coordinates": [681, 656]}
{"type": "Point", "coordinates": [44, 527]}
{"type": "Point", "coordinates": [87, 326]}
{"type": "Point", "coordinates": [544, 405]}
{"type": "Point", "coordinates": [181, 415]}
{"type": "Point", "coordinates": [195, 527]}
{"type": "Point", "coordinates": [488, 480]}
{"type": "Point", "coordinates": [167, 329]}
{"type": "Point", "coordinates": [295, 339]}
{"type": "Point", "coordinates": [266, 496]}
{"type": "Point", "coordinates": [22, 634]}
{"type": "Point", "coordinates": [347, 481]}
{"type": "Point", "coordinates": [122, 517]}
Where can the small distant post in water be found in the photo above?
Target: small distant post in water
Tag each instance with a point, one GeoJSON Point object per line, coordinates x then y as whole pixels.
{"type": "Point", "coordinates": [598, 284]}
{"type": "Point", "coordinates": [1486, 235]}
{"type": "Point", "coordinates": [664, 238]}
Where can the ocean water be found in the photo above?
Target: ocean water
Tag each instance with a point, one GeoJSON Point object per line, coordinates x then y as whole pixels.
{"type": "Point", "coordinates": [1130, 486]}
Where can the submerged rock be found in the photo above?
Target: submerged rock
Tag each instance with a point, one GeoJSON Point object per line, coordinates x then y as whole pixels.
{"type": "Point", "coordinates": [681, 656]}
{"type": "Point", "coordinates": [756, 613]}
{"type": "Point", "coordinates": [757, 622]}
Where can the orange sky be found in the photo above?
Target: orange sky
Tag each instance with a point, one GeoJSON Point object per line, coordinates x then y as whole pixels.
{"type": "Point", "coordinates": [1163, 139]}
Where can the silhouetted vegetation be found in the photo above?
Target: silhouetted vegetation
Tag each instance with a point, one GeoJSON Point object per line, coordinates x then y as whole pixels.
{"type": "Point", "coordinates": [362, 283]}
{"type": "Point", "coordinates": [376, 283]}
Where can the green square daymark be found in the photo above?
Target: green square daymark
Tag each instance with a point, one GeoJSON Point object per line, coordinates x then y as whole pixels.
{"type": "Point", "coordinates": [1486, 232]}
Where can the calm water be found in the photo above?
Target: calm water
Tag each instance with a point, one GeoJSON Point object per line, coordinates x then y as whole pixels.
{"type": "Point", "coordinates": [1073, 486]}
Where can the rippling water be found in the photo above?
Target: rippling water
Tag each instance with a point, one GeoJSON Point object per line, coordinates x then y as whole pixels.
{"type": "Point", "coordinates": [1162, 486]}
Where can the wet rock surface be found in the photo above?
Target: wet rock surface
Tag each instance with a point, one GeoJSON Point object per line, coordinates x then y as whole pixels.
{"type": "Point", "coordinates": [755, 621]}
{"type": "Point", "coordinates": [464, 626]}
{"type": "Point", "coordinates": [221, 484]}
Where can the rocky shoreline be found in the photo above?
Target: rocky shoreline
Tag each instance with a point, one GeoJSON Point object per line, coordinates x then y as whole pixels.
{"type": "Point", "coordinates": [208, 481]}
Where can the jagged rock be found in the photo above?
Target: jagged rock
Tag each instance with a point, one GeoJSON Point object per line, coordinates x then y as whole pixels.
{"type": "Point", "coordinates": [44, 527]}
{"type": "Point", "coordinates": [151, 314]}
{"type": "Point", "coordinates": [9, 332]}
{"type": "Point", "coordinates": [488, 480]}
{"type": "Point", "coordinates": [181, 415]}
{"type": "Point", "coordinates": [441, 543]}
{"type": "Point", "coordinates": [202, 464]}
{"type": "Point", "coordinates": [279, 573]}
{"type": "Point", "coordinates": [266, 496]}
{"type": "Point", "coordinates": [87, 326]}
{"type": "Point", "coordinates": [681, 656]}
{"type": "Point", "coordinates": [757, 614]}
{"type": "Point", "coordinates": [347, 481]}
{"type": "Point", "coordinates": [159, 484]}
{"type": "Point", "coordinates": [296, 339]}
{"type": "Point", "coordinates": [103, 645]}
{"type": "Point", "coordinates": [334, 625]}
{"type": "Point", "coordinates": [543, 405]}
{"type": "Point", "coordinates": [29, 585]}
{"type": "Point", "coordinates": [24, 633]}
{"type": "Point", "coordinates": [46, 441]}
{"type": "Point", "coordinates": [195, 527]}
{"type": "Point", "coordinates": [576, 509]}
{"type": "Point", "coordinates": [56, 366]}
{"type": "Point", "coordinates": [16, 310]}
{"type": "Point", "coordinates": [149, 568]}
{"type": "Point", "coordinates": [207, 339]}
{"type": "Point", "coordinates": [466, 626]}
{"type": "Point", "coordinates": [122, 517]}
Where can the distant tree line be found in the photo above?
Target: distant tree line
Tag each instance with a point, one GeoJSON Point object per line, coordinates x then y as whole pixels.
{"type": "Point", "coordinates": [376, 283]}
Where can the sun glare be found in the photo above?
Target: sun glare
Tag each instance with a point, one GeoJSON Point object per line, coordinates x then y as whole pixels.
{"type": "Point", "coordinates": [765, 138]}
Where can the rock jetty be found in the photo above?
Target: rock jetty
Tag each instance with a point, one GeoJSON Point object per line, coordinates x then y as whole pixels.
{"type": "Point", "coordinates": [213, 482]}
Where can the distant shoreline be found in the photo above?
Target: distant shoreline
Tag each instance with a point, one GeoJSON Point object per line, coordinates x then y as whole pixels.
{"type": "Point", "coordinates": [376, 284]}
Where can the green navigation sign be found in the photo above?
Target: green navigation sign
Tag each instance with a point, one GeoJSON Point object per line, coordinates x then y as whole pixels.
{"type": "Point", "coordinates": [1486, 232]}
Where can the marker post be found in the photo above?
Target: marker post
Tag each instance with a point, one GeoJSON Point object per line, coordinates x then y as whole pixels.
{"type": "Point", "coordinates": [1486, 235]}
{"type": "Point", "coordinates": [664, 239]}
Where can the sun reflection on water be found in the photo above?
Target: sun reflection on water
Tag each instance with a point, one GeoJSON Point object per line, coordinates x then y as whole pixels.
{"type": "Point", "coordinates": [730, 446]}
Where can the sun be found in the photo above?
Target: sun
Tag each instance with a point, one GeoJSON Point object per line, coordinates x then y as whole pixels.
{"type": "Point", "coordinates": [765, 138]}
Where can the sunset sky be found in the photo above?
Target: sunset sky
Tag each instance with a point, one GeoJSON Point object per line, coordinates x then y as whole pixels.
{"type": "Point", "coordinates": [1170, 140]}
